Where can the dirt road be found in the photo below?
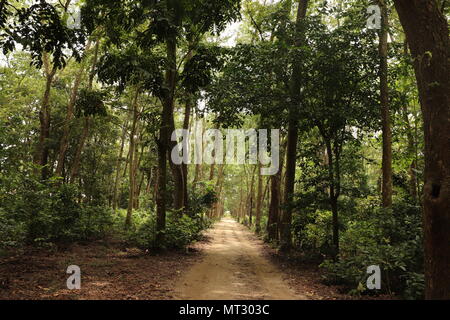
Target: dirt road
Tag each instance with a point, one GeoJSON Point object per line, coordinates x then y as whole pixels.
{"type": "Point", "coordinates": [233, 268]}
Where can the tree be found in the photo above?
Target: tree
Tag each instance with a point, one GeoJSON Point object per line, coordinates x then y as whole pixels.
{"type": "Point", "coordinates": [427, 34]}
{"type": "Point", "coordinates": [385, 110]}
{"type": "Point", "coordinates": [133, 156]}
{"type": "Point", "coordinates": [259, 201]}
{"type": "Point", "coordinates": [292, 136]}
{"type": "Point", "coordinates": [338, 98]}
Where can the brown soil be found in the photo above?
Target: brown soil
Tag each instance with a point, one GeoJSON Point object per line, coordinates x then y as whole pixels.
{"type": "Point", "coordinates": [234, 268]}
{"type": "Point", "coordinates": [107, 272]}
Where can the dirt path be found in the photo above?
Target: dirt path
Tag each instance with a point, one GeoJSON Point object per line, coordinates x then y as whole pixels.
{"type": "Point", "coordinates": [233, 268]}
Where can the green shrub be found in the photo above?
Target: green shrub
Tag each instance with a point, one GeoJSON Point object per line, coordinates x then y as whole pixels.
{"type": "Point", "coordinates": [12, 233]}
{"type": "Point", "coordinates": [143, 235]}
{"type": "Point", "coordinates": [414, 285]}
{"type": "Point", "coordinates": [202, 200]}
{"type": "Point", "coordinates": [180, 231]}
{"type": "Point", "coordinates": [96, 222]}
{"type": "Point", "coordinates": [42, 213]}
{"type": "Point", "coordinates": [391, 239]}
{"type": "Point", "coordinates": [313, 233]}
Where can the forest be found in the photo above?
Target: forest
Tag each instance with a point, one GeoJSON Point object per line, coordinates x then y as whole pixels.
{"type": "Point", "coordinates": [289, 146]}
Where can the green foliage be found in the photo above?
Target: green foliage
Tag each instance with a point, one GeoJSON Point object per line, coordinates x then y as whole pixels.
{"type": "Point", "coordinates": [198, 71]}
{"type": "Point", "coordinates": [180, 231]}
{"type": "Point", "coordinates": [133, 67]}
{"type": "Point", "coordinates": [203, 200]}
{"type": "Point", "coordinates": [90, 103]}
{"type": "Point", "coordinates": [39, 27]}
{"type": "Point", "coordinates": [12, 233]}
{"type": "Point", "coordinates": [414, 285]}
{"type": "Point", "coordinates": [42, 213]}
{"type": "Point", "coordinates": [242, 88]}
{"type": "Point", "coordinates": [143, 232]}
{"type": "Point", "coordinates": [312, 232]}
{"type": "Point", "coordinates": [391, 239]}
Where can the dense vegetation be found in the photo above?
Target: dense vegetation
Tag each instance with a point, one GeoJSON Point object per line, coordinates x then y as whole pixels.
{"type": "Point", "coordinates": [87, 113]}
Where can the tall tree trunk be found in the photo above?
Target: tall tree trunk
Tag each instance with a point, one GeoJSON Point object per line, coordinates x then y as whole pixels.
{"type": "Point", "coordinates": [265, 198]}
{"type": "Point", "coordinates": [164, 137]}
{"type": "Point", "coordinates": [132, 160]}
{"type": "Point", "coordinates": [211, 172]}
{"type": "Point", "coordinates": [180, 172]}
{"type": "Point", "coordinates": [184, 167]}
{"type": "Point", "coordinates": [140, 181]}
{"type": "Point", "coordinates": [385, 110]}
{"type": "Point", "coordinates": [274, 207]}
{"type": "Point", "coordinates": [273, 221]}
{"type": "Point", "coordinates": [94, 64]}
{"type": "Point", "coordinates": [412, 145]}
{"type": "Point", "coordinates": [77, 159]}
{"type": "Point", "coordinates": [259, 200]}
{"type": "Point", "coordinates": [118, 162]}
{"type": "Point", "coordinates": [412, 153]}
{"type": "Point", "coordinates": [251, 197]}
{"type": "Point", "coordinates": [177, 172]}
{"type": "Point", "coordinates": [427, 33]}
{"type": "Point", "coordinates": [87, 122]}
{"type": "Point", "coordinates": [138, 191]}
{"type": "Point", "coordinates": [333, 195]}
{"type": "Point", "coordinates": [241, 199]}
{"type": "Point", "coordinates": [64, 143]}
{"type": "Point", "coordinates": [286, 220]}
{"type": "Point", "coordinates": [127, 161]}
{"type": "Point", "coordinates": [149, 181]}
{"type": "Point", "coordinates": [190, 104]}
{"type": "Point", "coordinates": [42, 151]}
{"type": "Point", "coordinates": [219, 187]}
{"type": "Point", "coordinates": [154, 180]}
{"type": "Point", "coordinates": [197, 165]}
